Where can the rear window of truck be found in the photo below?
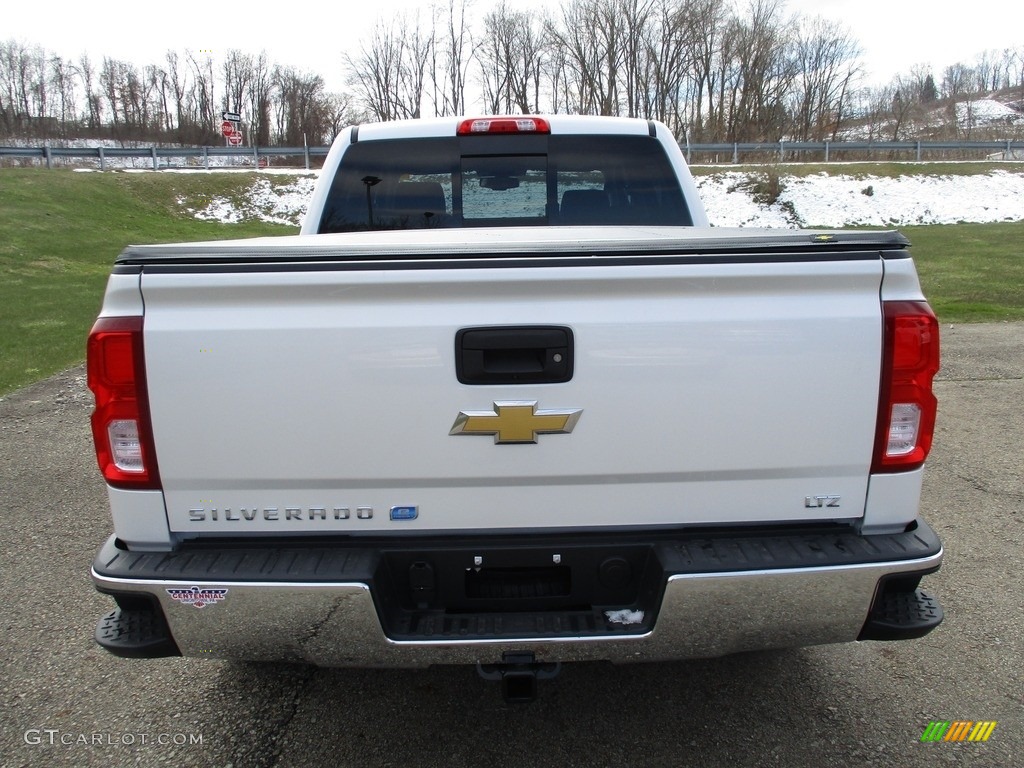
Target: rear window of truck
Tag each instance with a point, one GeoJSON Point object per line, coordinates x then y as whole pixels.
{"type": "Point", "coordinates": [503, 181]}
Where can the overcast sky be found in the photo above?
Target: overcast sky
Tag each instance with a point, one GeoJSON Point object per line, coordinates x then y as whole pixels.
{"type": "Point", "coordinates": [894, 34]}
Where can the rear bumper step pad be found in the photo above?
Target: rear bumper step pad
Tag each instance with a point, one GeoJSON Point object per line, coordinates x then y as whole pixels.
{"type": "Point", "coordinates": [136, 634]}
{"type": "Point", "coordinates": [902, 616]}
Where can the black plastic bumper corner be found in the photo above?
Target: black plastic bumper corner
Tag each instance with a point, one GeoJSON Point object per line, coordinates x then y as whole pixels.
{"type": "Point", "coordinates": [136, 634]}
{"type": "Point", "coordinates": [902, 616]}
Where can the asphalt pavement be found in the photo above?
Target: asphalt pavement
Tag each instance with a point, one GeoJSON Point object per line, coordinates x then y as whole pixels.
{"type": "Point", "coordinates": [67, 702]}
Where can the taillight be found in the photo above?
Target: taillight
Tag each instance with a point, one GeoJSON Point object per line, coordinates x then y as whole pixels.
{"type": "Point", "coordinates": [907, 407]}
{"type": "Point", "coordinates": [492, 125]}
{"type": "Point", "coordinates": [121, 426]}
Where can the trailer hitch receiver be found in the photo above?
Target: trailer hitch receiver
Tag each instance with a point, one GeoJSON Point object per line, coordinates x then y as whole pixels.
{"type": "Point", "coordinates": [518, 674]}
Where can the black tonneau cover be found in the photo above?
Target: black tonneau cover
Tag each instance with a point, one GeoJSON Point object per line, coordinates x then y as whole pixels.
{"type": "Point", "coordinates": [539, 246]}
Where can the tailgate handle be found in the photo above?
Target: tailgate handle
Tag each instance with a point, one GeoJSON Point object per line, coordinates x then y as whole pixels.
{"type": "Point", "coordinates": [514, 355]}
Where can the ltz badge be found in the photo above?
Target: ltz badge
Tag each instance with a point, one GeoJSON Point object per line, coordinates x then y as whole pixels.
{"type": "Point", "coordinates": [516, 421]}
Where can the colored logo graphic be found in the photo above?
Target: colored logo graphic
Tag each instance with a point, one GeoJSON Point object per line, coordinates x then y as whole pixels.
{"type": "Point", "coordinates": [958, 730]}
{"type": "Point", "coordinates": [197, 597]}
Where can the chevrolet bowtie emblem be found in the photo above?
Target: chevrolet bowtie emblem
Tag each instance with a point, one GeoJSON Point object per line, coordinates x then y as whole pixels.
{"type": "Point", "coordinates": [517, 421]}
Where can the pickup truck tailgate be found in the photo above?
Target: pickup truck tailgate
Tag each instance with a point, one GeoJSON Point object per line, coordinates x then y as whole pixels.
{"type": "Point", "coordinates": [301, 397]}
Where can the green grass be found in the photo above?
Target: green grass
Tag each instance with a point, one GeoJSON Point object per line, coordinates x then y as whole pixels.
{"type": "Point", "coordinates": [971, 272]}
{"type": "Point", "coordinates": [60, 232]}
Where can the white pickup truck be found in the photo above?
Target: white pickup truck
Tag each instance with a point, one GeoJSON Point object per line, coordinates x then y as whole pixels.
{"type": "Point", "coordinates": [508, 400]}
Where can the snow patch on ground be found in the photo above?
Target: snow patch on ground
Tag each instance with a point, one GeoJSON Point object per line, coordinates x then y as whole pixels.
{"type": "Point", "coordinates": [273, 203]}
{"type": "Point", "coordinates": [819, 200]}
{"type": "Point", "coordinates": [824, 200]}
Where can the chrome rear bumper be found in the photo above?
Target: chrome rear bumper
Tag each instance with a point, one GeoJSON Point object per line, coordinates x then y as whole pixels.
{"type": "Point", "coordinates": [698, 613]}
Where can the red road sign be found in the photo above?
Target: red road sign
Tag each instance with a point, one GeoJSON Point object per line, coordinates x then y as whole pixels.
{"type": "Point", "coordinates": [235, 139]}
{"type": "Point", "coordinates": [227, 128]}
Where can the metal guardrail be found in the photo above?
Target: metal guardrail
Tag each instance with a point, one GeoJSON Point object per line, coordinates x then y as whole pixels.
{"type": "Point", "coordinates": [201, 155]}
{"type": "Point", "coordinates": [1010, 149]}
{"type": "Point", "coordinates": [1007, 147]}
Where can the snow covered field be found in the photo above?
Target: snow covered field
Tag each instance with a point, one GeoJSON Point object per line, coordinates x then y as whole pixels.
{"type": "Point", "coordinates": [840, 201]}
{"type": "Point", "coordinates": [816, 201]}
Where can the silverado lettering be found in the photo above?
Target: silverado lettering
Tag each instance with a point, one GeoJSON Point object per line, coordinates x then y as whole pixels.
{"type": "Point", "coordinates": [514, 273]}
{"type": "Point", "coordinates": [201, 514]}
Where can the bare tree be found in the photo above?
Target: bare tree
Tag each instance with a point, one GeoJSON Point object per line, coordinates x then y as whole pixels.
{"type": "Point", "coordinates": [25, 99]}
{"type": "Point", "coordinates": [590, 33]}
{"type": "Point", "coordinates": [160, 83]}
{"type": "Point", "coordinates": [62, 79]}
{"type": "Point", "coordinates": [261, 87]}
{"type": "Point", "coordinates": [7, 97]}
{"type": "Point", "coordinates": [511, 56]}
{"type": "Point", "coordinates": [497, 56]}
{"type": "Point", "coordinates": [176, 79]}
{"type": "Point", "coordinates": [712, 50]}
{"type": "Point", "coordinates": [1017, 59]}
{"type": "Point", "coordinates": [668, 61]}
{"type": "Point", "coordinates": [205, 113]}
{"type": "Point", "coordinates": [23, 74]}
{"type": "Point", "coordinates": [238, 72]}
{"type": "Point", "coordinates": [903, 103]}
{"type": "Point", "coordinates": [958, 80]}
{"type": "Point", "coordinates": [828, 66]}
{"type": "Point", "coordinates": [763, 74]}
{"type": "Point", "coordinates": [418, 50]}
{"type": "Point", "coordinates": [305, 113]}
{"type": "Point", "coordinates": [556, 71]}
{"type": "Point", "coordinates": [638, 65]}
{"type": "Point", "coordinates": [374, 73]}
{"type": "Point", "coordinates": [36, 82]}
{"type": "Point", "coordinates": [456, 50]}
{"type": "Point", "coordinates": [93, 99]}
{"type": "Point", "coordinates": [389, 73]}
{"type": "Point", "coordinates": [110, 82]}
{"type": "Point", "coordinates": [921, 82]}
{"type": "Point", "coordinates": [341, 112]}
{"type": "Point", "coordinates": [986, 71]}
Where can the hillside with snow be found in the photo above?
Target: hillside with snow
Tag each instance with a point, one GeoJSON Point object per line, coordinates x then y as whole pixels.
{"type": "Point", "coordinates": [987, 112]}
{"type": "Point", "coordinates": [819, 200]}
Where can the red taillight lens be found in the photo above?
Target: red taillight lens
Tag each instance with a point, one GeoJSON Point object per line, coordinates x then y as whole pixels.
{"type": "Point", "coordinates": [491, 125]}
{"type": "Point", "coordinates": [121, 427]}
{"type": "Point", "coordinates": [907, 407]}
